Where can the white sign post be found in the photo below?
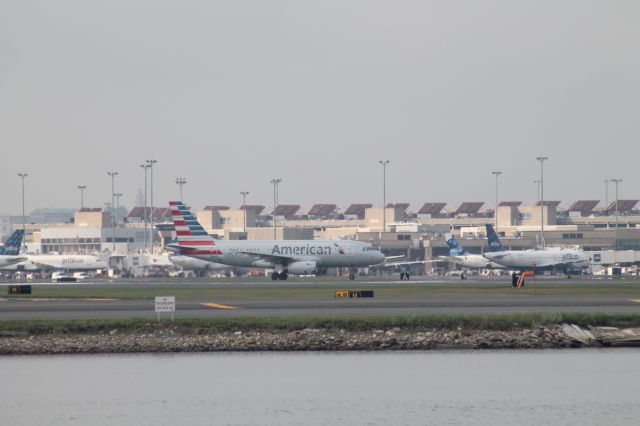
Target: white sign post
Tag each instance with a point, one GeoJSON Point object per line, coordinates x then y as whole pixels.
{"type": "Point", "coordinates": [165, 304]}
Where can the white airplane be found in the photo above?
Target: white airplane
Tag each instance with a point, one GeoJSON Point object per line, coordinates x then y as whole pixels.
{"type": "Point", "coordinates": [458, 255]}
{"type": "Point", "coordinates": [568, 261]}
{"type": "Point", "coordinates": [10, 250]}
{"type": "Point", "coordinates": [298, 257]}
{"type": "Point", "coordinates": [48, 262]}
{"type": "Point", "coordinates": [195, 264]}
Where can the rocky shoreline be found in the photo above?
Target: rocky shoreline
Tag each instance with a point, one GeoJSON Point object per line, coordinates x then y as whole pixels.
{"type": "Point", "coordinates": [168, 341]}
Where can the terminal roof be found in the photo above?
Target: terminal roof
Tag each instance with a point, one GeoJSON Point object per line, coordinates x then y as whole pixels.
{"type": "Point", "coordinates": [159, 213]}
{"type": "Point", "coordinates": [623, 205]}
{"type": "Point", "coordinates": [322, 210]}
{"type": "Point", "coordinates": [550, 203]}
{"type": "Point", "coordinates": [583, 206]}
{"type": "Point", "coordinates": [256, 207]}
{"type": "Point", "coordinates": [431, 208]}
{"type": "Point", "coordinates": [357, 210]}
{"type": "Point", "coordinates": [287, 210]}
{"type": "Point", "coordinates": [469, 207]}
{"type": "Point", "coordinates": [509, 203]}
{"type": "Point", "coordinates": [402, 206]}
{"type": "Point", "coordinates": [216, 208]}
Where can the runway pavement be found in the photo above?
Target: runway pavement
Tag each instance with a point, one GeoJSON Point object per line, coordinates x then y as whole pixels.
{"type": "Point", "coordinates": [316, 297]}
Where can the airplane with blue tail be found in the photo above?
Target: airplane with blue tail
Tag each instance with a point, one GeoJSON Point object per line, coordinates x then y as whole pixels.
{"type": "Point", "coordinates": [458, 255]}
{"type": "Point", "coordinates": [567, 260]}
{"type": "Point", "coordinates": [9, 252]}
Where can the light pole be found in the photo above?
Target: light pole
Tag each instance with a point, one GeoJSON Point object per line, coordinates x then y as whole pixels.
{"type": "Point", "coordinates": [117, 195]}
{"type": "Point", "coordinates": [22, 176]}
{"type": "Point", "coordinates": [537, 182]}
{"type": "Point", "coordinates": [275, 182]}
{"type": "Point", "coordinates": [384, 193]}
{"type": "Point", "coordinates": [617, 182]}
{"type": "Point", "coordinates": [606, 196]}
{"type": "Point", "coordinates": [145, 215]}
{"type": "Point", "coordinates": [82, 188]}
{"type": "Point", "coordinates": [542, 159]}
{"type": "Point", "coordinates": [181, 181]}
{"type": "Point", "coordinates": [113, 215]}
{"type": "Point", "coordinates": [150, 163]}
{"type": "Point", "coordinates": [244, 208]}
{"type": "Point", "coordinates": [496, 173]}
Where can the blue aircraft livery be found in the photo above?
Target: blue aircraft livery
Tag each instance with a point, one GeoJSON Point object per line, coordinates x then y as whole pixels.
{"type": "Point", "coordinates": [12, 246]}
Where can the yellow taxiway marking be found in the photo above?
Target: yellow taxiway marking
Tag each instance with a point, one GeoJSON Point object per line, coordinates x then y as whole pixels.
{"type": "Point", "coordinates": [635, 300]}
{"type": "Point", "coordinates": [219, 306]}
{"type": "Point", "coordinates": [96, 299]}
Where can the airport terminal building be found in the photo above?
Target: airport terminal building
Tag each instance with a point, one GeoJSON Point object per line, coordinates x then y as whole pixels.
{"type": "Point", "coordinates": [397, 231]}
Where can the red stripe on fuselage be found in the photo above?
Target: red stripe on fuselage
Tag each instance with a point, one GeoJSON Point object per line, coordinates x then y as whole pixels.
{"type": "Point", "coordinates": [196, 243]}
{"type": "Point", "coordinates": [212, 252]}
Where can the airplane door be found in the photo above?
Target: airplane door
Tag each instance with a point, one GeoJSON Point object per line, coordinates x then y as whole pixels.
{"type": "Point", "coordinates": [351, 249]}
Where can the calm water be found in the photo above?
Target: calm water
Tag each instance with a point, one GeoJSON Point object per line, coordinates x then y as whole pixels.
{"type": "Point", "coordinates": [418, 388]}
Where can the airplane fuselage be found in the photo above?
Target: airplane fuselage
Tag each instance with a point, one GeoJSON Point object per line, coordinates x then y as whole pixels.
{"type": "Point", "coordinates": [540, 259]}
{"type": "Point", "coordinates": [473, 261]}
{"type": "Point", "coordinates": [269, 253]}
{"type": "Point", "coordinates": [38, 262]}
{"type": "Point", "coordinates": [7, 260]}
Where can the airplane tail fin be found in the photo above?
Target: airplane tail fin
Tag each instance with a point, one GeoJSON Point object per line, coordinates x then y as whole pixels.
{"type": "Point", "coordinates": [494, 241]}
{"type": "Point", "coordinates": [12, 246]}
{"type": "Point", "coordinates": [192, 237]}
{"type": "Point", "coordinates": [455, 248]}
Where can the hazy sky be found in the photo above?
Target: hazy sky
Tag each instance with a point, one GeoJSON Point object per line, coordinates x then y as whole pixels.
{"type": "Point", "coordinates": [231, 94]}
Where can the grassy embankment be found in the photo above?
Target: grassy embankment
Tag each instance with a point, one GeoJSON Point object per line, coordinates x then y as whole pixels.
{"type": "Point", "coordinates": [406, 323]}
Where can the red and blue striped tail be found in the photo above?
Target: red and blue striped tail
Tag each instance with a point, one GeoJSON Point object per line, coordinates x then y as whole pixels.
{"type": "Point", "coordinates": [192, 237]}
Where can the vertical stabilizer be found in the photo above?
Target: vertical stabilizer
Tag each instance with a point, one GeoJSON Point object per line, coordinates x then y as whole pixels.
{"type": "Point", "coordinates": [494, 241]}
{"type": "Point", "coordinates": [12, 246]}
{"type": "Point", "coordinates": [455, 248]}
{"type": "Point", "coordinates": [192, 237]}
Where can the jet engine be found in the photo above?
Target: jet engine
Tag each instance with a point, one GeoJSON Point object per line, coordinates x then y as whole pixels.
{"type": "Point", "coordinates": [303, 267]}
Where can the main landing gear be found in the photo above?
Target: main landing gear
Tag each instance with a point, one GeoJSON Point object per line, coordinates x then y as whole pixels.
{"type": "Point", "coordinates": [279, 276]}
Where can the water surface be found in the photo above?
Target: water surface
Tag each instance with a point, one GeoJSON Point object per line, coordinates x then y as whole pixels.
{"type": "Point", "coordinates": [570, 387]}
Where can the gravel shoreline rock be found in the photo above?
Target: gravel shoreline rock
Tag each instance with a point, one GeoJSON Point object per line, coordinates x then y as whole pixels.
{"type": "Point", "coordinates": [300, 340]}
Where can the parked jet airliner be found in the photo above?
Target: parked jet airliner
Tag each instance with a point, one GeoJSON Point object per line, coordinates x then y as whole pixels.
{"type": "Point", "coordinates": [286, 257]}
{"type": "Point", "coordinates": [525, 260]}
{"type": "Point", "coordinates": [457, 254]}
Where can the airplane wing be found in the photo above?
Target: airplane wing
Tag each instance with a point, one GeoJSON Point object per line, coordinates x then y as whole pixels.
{"type": "Point", "coordinates": [273, 258]}
{"type": "Point", "coordinates": [396, 264]}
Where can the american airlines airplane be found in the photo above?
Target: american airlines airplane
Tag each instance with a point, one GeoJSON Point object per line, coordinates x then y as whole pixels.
{"type": "Point", "coordinates": [10, 250]}
{"type": "Point", "coordinates": [298, 257]}
{"type": "Point", "coordinates": [458, 255]}
{"type": "Point", "coordinates": [525, 260]}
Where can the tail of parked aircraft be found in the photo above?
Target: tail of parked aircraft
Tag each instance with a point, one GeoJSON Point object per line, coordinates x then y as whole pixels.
{"type": "Point", "coordinates": [494, 241]}
{"type": "Point", "coordinates": [192, 237]}
{"type": "Point", "coordinates": [455, 248]}
{"type": "Point", "coordinates": [12, 246]}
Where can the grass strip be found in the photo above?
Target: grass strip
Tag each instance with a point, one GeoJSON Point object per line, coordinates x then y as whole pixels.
{"type": "Point", "coordinates": [202, 326]}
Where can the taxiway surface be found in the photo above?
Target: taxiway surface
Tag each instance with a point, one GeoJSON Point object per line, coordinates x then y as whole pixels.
{"type": "Point", "coordinates": [316, 297]}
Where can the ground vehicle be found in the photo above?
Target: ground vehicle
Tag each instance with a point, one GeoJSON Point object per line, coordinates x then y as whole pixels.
{"type": "Point", "coordinates": [59, 277]}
